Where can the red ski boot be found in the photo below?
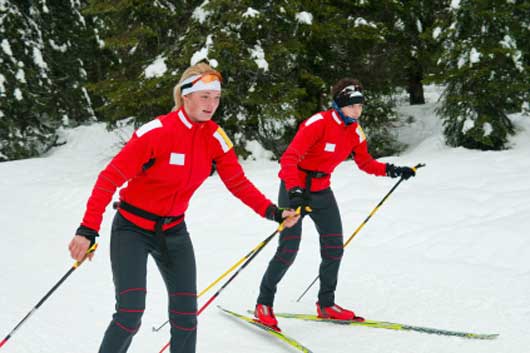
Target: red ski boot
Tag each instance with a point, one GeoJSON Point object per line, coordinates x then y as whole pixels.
{"type": "Point", "coordinates": [264, 315]}
{"type": "Point", "coordinates": [335, 312]}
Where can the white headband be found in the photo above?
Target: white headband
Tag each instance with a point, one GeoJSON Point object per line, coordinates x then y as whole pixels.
{"type": "Point", "coordinates": [199, 85]}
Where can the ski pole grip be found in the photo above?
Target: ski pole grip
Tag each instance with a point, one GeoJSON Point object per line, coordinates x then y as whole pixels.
{"type": "Point", "coordinates": [419, 165]}
{"type": "Point", "coordinates": [282, 225]}
{"type": "Point", "coordinates": [299, 210]}
{"type": "Point", "coordinates": [92, 249]}
{"type": "Point", "coordinates": [88, 252]}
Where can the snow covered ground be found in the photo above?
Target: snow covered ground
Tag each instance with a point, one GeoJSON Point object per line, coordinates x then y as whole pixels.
{"type": "Point", "coordinates": [449, 249]}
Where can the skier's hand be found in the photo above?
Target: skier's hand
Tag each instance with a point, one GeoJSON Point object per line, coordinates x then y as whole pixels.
{"type": "Point", "coordinates": [404, 172]}
{"type": "Point", "coordinates": [288, 217]}
{"type": "Point", "coordinates": [296, 198]}
{"type": "Point", "coordinates": [78, 248]}
{"type": "Point", "coordinates": [84, 238]}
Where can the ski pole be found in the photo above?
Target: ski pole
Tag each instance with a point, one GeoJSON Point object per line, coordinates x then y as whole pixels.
{"type": "Point", "coordinates": [259, 246]}
{"type": "Point", "coordinates": [238, 271]}
{"type": "Point", "coordinates": [72, 269]}
{"type": "Point", "coordinates": [363, 223]}
{"type": "Point", "coordinates": [253, 253]}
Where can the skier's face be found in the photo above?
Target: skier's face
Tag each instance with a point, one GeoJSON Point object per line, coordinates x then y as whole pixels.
{"type": "Point", "coordinates": [201, 105]}
{"type": "Point", "coordinates": [353, 111]}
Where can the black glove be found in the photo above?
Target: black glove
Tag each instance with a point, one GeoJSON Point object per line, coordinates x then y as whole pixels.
{"type": "Point", "coordinates": [88, 233]}
{"type": "Point", "coordinates": [297, 198]}
{"type": "Point", "coordinates": [395, 172]}
{"type": "Point", "coordinates": [274, 213]}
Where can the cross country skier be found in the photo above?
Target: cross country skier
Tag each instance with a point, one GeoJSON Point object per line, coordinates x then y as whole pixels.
{"type": "Point", "coordinates": [322, 142]}
{"type": "Point", "coordinates": [164, 162]}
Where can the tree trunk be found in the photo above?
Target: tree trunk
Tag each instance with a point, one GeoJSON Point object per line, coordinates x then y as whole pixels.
{"type": "Point", "coordinates": [415, 87]}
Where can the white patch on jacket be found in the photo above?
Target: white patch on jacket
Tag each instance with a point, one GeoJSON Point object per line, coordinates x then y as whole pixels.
{"type": "Point", "coordinates": [330, 147]}
{"type": "Point", "coordinates": [177, 158]}
{"type": "Point", "coordinates": [145, 128]}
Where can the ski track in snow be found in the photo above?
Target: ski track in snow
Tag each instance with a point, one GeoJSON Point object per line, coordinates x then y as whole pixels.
{"type": "Point", "coordinates": [449, 249]}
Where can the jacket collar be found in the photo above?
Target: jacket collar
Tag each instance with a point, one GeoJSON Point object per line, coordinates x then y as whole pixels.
{"type": "Point", "coordinates": [336, 117]}
{"type": "Point", "coordinates": [183, 117]}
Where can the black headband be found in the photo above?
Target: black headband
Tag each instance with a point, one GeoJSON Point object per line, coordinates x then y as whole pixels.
{"type": "Point", "coordinates": [349, 95]}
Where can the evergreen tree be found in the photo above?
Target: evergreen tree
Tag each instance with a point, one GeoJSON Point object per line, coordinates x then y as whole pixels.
{"type": "Point", "coordinates": [521, 34]}
{"type": "Point", "coordinates": [351, 41]}
{"type": "Point", "coordinates": [257, 48]}
{"type": "Point", "coordinates": [71, 49]}
{"type": "Point", "coordinates": [280, 60]}
{"type": "Point", "coordinates": [410, 50]}
{"type": "Point", "coordinates": [41, 75]}
{"type": "Point", "coordinates": [25, 124]}
{"type": "Point", "coordinates": [485, 70]}
{"type": "Point", "coordinates": [142, 41]}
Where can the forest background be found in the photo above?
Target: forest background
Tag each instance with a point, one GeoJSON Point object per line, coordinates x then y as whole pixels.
{"type": "Point", "coordinates": [64, 63]}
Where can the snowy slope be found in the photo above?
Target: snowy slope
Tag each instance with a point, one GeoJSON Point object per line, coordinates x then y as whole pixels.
{"type": "Point", "coordinates": [449, 249]}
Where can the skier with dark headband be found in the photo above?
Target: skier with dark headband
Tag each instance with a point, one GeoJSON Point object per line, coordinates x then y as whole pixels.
{"type": "Point", "coordinates": [164, 162]}
{"type": "Point", "coordinates": [322, 142]}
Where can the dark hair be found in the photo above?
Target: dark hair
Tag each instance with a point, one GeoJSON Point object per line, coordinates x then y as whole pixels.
{"type": "Point", "coordinates": [345, 82]}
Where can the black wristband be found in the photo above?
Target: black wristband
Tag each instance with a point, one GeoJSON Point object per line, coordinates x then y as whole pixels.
{"type": "Point", "coordinates": [274, 213]}
{"type": "Point", "coordinates": [392, 171]}
{"type": "Point", "coordinates": [88, 233]}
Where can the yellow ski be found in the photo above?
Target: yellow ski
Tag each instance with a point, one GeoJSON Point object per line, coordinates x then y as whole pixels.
{"type": "Point", "coordinates": [393, 326]}
{"type": "Point", "coordinates": [281, 336]}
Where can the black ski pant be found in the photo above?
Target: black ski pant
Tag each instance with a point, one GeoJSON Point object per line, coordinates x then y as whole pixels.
{"type": "Point", "coordinates": [129, 248]}
{"type": "Point", "coordinates": [326, 216]}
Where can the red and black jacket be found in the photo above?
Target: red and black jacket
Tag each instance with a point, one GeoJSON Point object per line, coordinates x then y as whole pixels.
{"type": "Point", "coordinates": [164, 162]}
{"type": "Point", "coordinates": [322, 142]}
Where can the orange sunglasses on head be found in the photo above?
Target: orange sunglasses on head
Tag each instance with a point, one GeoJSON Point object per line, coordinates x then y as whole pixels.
{"type": "Point", "coordinates": [206, 77]}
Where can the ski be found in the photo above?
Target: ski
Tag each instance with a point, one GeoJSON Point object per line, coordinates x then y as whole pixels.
{"type": "Point", "coordinates": [281, 336]}
{"type": "Point", "coordinates": [393, 326]}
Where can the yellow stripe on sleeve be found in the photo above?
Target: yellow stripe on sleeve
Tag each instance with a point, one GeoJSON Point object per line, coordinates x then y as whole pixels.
{"type": "Point", "coordinates": [223, 139]}
{"type": "Point", "coordinates": [360, 133]}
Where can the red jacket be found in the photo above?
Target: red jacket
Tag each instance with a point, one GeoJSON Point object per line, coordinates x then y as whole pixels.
{"type": "Point", "coordinates": [183, 152]}
{"type": "Point", "coordinates": [321, 143]}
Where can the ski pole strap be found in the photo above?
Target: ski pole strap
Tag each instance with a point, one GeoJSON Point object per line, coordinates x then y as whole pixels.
{"type": "Point", "coordinates": [160, 238]}
{"type": "Point", "coordinates": [160, 221]}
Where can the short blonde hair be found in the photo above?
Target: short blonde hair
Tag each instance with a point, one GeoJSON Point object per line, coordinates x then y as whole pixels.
{"type": "Point", "coordinates": [197, 69]}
